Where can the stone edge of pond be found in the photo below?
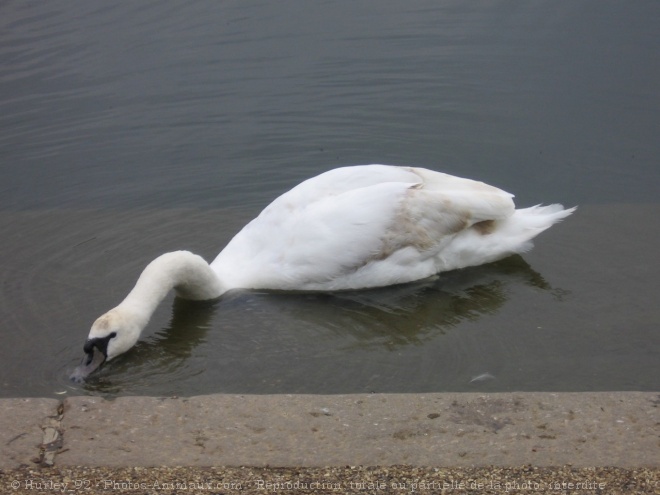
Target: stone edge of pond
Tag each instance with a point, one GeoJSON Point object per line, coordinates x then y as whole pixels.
{"type": "Point", "coordinates": [461, 430]}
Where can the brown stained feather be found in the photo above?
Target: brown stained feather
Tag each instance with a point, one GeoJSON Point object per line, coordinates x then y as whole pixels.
{"type": "Point", "coordinates": [484, 227]}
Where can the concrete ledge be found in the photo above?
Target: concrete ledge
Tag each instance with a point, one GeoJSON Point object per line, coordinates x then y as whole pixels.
{"type": "Point", "coordinates": [452, 429]}
{"type": "Point", "coordinates": [23, 426]}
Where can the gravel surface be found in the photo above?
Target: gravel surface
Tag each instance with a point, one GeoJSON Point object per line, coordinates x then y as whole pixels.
{"type": "Point", "coordinates": [346, 480]}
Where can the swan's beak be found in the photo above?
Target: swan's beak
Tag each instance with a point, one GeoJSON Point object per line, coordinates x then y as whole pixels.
{"type": "Point", "coordinates": [94, 358]}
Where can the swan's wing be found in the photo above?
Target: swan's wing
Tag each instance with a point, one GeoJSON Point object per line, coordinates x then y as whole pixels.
{"type": "Point", "coordinates": [341, 180]}
{"type": "Point", "coordinates": [294, 245]}
{"type": "Point", "coordinates": [385, 226]}
{"type": "Point", "coordinates": [476, 200]}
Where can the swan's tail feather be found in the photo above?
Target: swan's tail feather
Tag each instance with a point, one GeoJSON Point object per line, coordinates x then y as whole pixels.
{"type": "Point", "coordinates": [529, 222]}
{"type": "Point", "coordinates": [502, 238]}
{"type": "Point", "coordinates": [541, 217]}
{"type": "Point", "coordinates": [526, 223]}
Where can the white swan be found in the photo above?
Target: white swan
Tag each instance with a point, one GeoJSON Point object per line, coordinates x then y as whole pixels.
{"type": "Point", "coordinates": [349, 228]}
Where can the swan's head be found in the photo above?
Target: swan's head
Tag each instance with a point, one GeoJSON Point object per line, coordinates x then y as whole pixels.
{"type": "Point", "coordinates": [111, 335]}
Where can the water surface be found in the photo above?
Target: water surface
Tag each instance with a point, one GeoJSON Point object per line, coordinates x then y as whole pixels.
{"type": "Point", "coordinates": [130, 129]}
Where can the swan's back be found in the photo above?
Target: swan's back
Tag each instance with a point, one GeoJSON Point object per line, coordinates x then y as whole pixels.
{"type": "Point", "coordinates": [375, 225]}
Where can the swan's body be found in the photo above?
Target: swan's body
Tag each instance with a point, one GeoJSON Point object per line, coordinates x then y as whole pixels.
{"type": "Point", "coordinates": [349, 228]}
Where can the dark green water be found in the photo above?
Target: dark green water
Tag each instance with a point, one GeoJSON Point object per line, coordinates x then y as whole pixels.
{"type": "Point", "coordinates": [130, 129]}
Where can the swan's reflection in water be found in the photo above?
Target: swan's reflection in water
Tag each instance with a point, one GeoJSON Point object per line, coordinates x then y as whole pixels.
{"type": "Point", "coordinates": [275, 342]}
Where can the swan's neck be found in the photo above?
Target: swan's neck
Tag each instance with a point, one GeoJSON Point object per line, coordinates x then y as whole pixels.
{"type": "Point", "coordinates": [187, 273]}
